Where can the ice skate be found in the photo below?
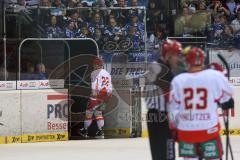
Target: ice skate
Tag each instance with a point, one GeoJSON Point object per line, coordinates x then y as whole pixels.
{"type": "Point", "coordinates": [83, 132]}
{"type": "Point", "coordinates": [99, 134]}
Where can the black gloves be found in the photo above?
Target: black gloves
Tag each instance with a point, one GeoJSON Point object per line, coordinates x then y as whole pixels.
{"type": "Point", "coordinates": [227, 105]}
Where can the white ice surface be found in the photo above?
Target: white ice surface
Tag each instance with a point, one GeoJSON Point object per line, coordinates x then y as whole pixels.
{"type": "Point", "coordinates": [108, 149]}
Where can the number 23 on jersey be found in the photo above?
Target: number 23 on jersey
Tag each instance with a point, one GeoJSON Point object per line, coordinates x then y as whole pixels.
{"type": "Point", "coordinates": [200, 94]}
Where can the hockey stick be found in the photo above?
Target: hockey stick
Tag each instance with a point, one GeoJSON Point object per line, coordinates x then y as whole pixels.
{"type": "Point", "coordinates": [226, 120]}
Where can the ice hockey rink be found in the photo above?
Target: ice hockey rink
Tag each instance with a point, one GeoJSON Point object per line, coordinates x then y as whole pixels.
{"type": "Point", "coordinates": [105, 149]}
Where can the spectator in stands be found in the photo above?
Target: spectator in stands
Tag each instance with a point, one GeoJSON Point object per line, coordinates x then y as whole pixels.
{"type": "Point", "coordinates": [110, 3]}
{"type": "Point", "coordinates": [113, 31]}
{"type": "Point", "coordinates": [122, 14]}
{"type": "Point", "coordinates": [153, 16]}
{"type": "Point", "coordinates": [41, 72]}
{"type": "Point", "coordinates": [83, 32]}
{"type": "Point", "coordinates": [236, 23]}
{"type": "Point", "coordinates": [227, 37]}
{"type": "Point", "coordinates": [98, 37]}
{"type": "Point", "coordinates": [60, 8]}
{"type": "Point", "coordinates": [83, 14]}
{"type": "Point", "coordinates": [29, 75]}
{"type": "Point", "coordinates": [217, 28]}
{"type": "Point", "coordinates": [134, 3]}
{"type": "Point", "coordinates": [185, 11]}
{"type": "Point", "coordinates": [157, 37]}
{"type": "Point", "coordinates": [43, 15]}
{"type": "Point", "coordinates": [22, 2]}
{"type": "Point", "coordinates": [111, 15]}
{"type": "Point", "coordinates": [97, 22]}
{"type": "Point", "coordinates": [231, 4]}
{"type": "Point", "coordinates": [71, 3]}
{"type": "Point", "coordinates": [58, 4]}
{"type": "Point", "coordinates": [53, 30]}
{"type": "Point", "coordinates": [121, 3]}
{"type": "Point", "coordinates": [134, 22]}
{"type": "Point", "coordinates": [134, 37]}
{"type": "Point", "coordinates": [30, 71]}
{"type": "Point", "coordinates": [100, 3]}
{"type": "Point", "coordinates": [211, 4]}
{"type": "Point", "coordinates": [220, 9]}
{"type": "Point", "coordinates": [201, 6]}
{"type": "Point", "coordinates": [69, 30]}
{"type": "Point", "coordinates": [236, 28]}
{"type": "Point", "coordinates": [76, 20]}
{"type": "Point", "coordinates": [139, 12]}
{"type": "Point", "coordinates": [144, 3]}
{"type": "Point", "coordinates": [182, 24]}
{"type": "Point", "coordinates": [223, 19]}
{"type": "Point", "coordinates": [45, 3]}
{"type": "Point", "coordinates": [88, 3]}
{"type": "Point", "coordinates": [184, 3]}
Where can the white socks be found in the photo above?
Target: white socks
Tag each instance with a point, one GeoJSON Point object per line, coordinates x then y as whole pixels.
{"type": "Point", "coordinates": [100, 124]}
{"type": "Point", "coordinates": [87, 123]}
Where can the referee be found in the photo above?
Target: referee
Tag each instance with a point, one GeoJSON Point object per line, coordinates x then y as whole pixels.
{"type": "Point", "coordinates": [156, 95]}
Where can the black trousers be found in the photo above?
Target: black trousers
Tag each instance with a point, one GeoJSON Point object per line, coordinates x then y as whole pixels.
{"type": "Point", "coordinates": [160, 138]}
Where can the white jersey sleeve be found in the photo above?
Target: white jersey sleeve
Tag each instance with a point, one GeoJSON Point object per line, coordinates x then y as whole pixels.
{"type": "Point", "coordinates": [174, 103]}
{"type": "Point", "coordinates": [224, 90]}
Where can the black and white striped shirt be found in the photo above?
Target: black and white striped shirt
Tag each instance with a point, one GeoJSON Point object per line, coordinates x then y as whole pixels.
{"type": "Point", "coordinates": [158, 86]}
{"type": "Point", "coordinates": [154, 97]}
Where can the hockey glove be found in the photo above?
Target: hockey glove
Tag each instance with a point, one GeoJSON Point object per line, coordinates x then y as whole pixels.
{"type": "Point", "coordinates": [228, 105]}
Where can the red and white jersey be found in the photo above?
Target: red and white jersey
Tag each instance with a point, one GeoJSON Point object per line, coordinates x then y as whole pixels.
{"type": "Point", "coordinates": [193, 103]}
{"type": "Point", "coordinates": [101, 83]}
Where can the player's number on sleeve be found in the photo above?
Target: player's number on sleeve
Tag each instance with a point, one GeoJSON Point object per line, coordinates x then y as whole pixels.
{"type": "Point", "coordinates": [190, 93]}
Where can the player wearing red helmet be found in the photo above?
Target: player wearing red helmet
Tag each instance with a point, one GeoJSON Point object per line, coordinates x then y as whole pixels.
{"type": "Point", "coordinates": [193, 106]}
{"type": "Point", "coordinates": [160, 137]}
{"type": "Point", "coordinates": [98, 63]}
{"type": "Point", "coordinates": [195, 57]}
{"type": "Point", "coordinates": [171, 47]}
{"type": "Point", "coordinates": [171, 55]}
{"type": "Point", "coordinates": [101, 86]}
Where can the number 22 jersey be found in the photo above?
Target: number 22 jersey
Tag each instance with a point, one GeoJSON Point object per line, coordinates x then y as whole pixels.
{"type": "Point", "coordinates": [101, 83]}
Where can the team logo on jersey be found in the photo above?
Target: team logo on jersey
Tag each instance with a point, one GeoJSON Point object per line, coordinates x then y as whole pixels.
{"type": "Point", "coordinates": [212, 130]}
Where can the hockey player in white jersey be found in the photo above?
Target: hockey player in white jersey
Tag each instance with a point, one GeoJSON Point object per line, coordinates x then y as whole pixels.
{"type": "Point", "coordinates": [101, 86]}
{"type": "Point", "coordinates": [193, 107]}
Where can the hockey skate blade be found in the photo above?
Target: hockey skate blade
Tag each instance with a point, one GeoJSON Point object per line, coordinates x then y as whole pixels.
{"type": "Point", "coordinates": [83, 135]}
{"type": "Point", "coordinates": [99, 137]}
